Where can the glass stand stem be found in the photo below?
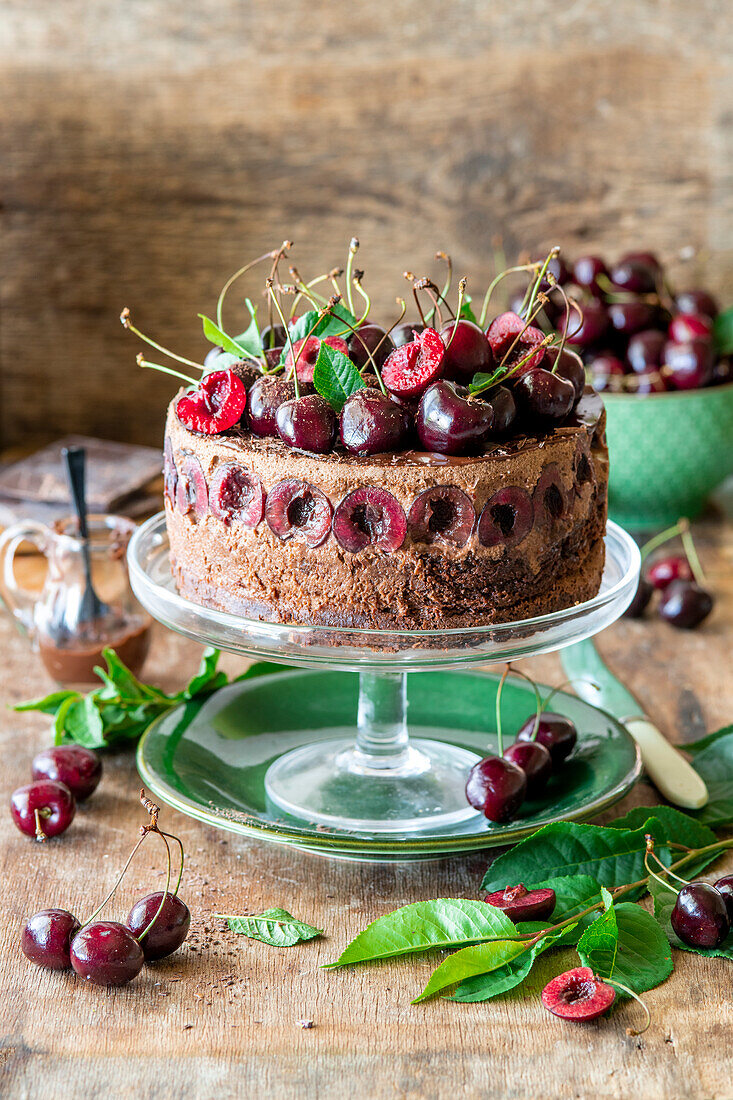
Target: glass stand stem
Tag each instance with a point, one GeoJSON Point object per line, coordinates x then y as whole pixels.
{"type": "Point", "coordinates": [381, 736]}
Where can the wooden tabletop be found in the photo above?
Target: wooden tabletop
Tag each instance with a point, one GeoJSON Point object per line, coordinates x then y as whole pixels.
{"type": "Point", "coordinates": [223, 1017]}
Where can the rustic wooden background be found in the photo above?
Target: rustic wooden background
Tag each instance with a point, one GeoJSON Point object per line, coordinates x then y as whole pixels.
{"type": "Point", "coordinates": [148, 147]}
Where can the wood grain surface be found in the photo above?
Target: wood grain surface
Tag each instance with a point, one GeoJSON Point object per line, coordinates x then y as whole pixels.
{"type": "Point", "coordinates": [149, 148]}
{"type": "Point", "coordinates": [222, 1018]}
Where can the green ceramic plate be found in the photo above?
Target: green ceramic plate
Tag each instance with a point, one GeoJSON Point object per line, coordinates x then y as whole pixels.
{"type": "Point", "coordinates": [208, 759]}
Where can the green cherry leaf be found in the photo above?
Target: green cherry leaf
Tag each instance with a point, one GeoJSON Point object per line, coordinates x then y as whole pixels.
{"type": "Point", "coordinates": [627, 944]}
{"type": "Point", "coordinates": [709, 739]}
{"type": "Point", "coordinates": [335, 377]}
{"type": "Point", "coordinates": [723, 332]}
{"type": "Point", "coordinates": [715, 764]}
{"type": "Point", "coordinates": [276, 927]}
{"type": "Point", "coordinates": [219, 338]}
{"type": "Point", "coordinates": [445, 922]}
{"type": "Point", "coordinates": [471, 961]}
{"type": "Point", "coordinates": [207, 678]}
{"type": "Point", "coordinates": [250, 339]}
{"type": "Point", "coordinates": [679, 828]}
{"type": "Point", "coordinates": [483, 987]}
{"type": "Point", "coordinates": [615, 857]}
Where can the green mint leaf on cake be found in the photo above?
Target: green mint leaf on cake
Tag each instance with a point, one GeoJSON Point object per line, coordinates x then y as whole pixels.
{"type": "Point", "coordinates": [276, 927]}
{"type": "Point", "coordinates": [723, 332]}
{"type": "Point", "coordinates": [250, 339]}
{"type": "Point", "coordinates": [335, 377]}
{"type": "Point", "coordinates": [219, 338]}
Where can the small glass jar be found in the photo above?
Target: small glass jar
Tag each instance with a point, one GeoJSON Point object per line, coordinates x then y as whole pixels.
{"type": "Point", "coordinates": [69, 649]}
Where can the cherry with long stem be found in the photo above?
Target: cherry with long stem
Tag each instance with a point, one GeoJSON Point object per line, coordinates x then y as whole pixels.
{"type": "Point", "coordinates": [127, 323]}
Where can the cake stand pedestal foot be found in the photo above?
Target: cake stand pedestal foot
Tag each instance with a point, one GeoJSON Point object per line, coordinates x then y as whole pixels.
{"type": "Point", "coordinates": [380, 781]}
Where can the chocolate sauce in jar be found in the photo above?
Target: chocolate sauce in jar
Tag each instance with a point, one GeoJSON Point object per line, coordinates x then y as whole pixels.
{"type": "Point", "coordinates": [72, 659]}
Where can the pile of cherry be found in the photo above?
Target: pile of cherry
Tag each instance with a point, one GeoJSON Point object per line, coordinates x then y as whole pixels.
{"type": "Point", "coordinates": [498, 785]}
{"type": "Point", "coordinates": [636, 335]}
{"type": "Point", "coordinates": [102, 952]}
{"type": "Point", "coordinates": [684, 599]}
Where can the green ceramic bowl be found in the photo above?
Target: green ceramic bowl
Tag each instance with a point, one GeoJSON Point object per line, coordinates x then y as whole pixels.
{"type": "Point", "coordinates": [668, 451]}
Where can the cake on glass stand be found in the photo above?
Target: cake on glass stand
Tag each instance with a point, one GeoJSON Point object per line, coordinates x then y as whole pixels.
{"type": "Point", "coordinates": [345, 498]}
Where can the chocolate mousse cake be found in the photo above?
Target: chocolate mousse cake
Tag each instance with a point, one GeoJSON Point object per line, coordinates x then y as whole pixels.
{"type": "Point", "coordinates": [328, 471]}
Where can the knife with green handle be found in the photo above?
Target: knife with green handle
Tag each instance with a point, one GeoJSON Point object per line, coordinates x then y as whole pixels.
{"type": "Point", "coordinates": [667, 768]}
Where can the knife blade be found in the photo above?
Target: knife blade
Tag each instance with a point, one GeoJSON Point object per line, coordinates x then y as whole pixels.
{"type": "Point", "coordinates": [667, 768]}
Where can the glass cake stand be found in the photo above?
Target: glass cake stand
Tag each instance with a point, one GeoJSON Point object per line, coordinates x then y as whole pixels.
{"type": "Point", "coordinates": [372, 779]}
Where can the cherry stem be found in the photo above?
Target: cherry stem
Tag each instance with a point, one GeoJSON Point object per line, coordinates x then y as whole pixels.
{"type": "Point", "coordinates": [653, 874]}
{"type": "Point", "coordinates": [532, 268]}
{"type": "Point", "coordinates": [569, 683]}
{"type": "Point", "coordinates": [233, 278]}
{"type": "Point", "coordinates": [127, 323]}
{"type": "Point", "coordinates": [538, 281]}
{"type": "Point", "coordinates": [38, 814]}
{"type": "Point", "coordinates": [461, 294]}
{"type": "Point", "coordinates": [527, 324]}
{"type": "Point", "coordinates": [179, 842]}
{"type": "Point", "coordinates": [538, 701]}
{"type": "Point", "coordinates": [691, 552]}
{"type": "Point", "coordinates": [637, 998]}
{"type": "Point", "coordinates": [448, 280]}
{"type": "Point", "coordinates": [159, 910]}
{"type": "Point", "coordinates": [273, 298]}
{"type": "Point", "coordinates": [355, 330]}
{"type": "Point", "coordinates": [658, 540]}
{"type": "Point", "coordinates": [353, 249]}
{"type": "Point", "coordinates": [653, 854]}
{"type": "Point", "coordinates": [499, 734]}
{"type": "Point", "coordinates": [277, 257]}
{"type": "Point", "coordinates": [305, 290]}
{"type": "Point", "coordinates": [500, 374]}
{"type": "Point", "coordinates": [411, 279]}
{"type": "Point", "coordinates": [569, 304]}
{"type": "Point", "coordinates": [120, 877]}
{"type": "Point", "coordinates": [142, 362]}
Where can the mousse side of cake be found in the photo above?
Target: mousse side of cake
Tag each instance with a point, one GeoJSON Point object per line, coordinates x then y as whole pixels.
{"type": "Point", "coordinates": [509, 534]}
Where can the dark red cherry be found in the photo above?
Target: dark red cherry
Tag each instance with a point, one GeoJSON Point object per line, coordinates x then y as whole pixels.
{"type": "Point", "coordinates": [700, 916]}
{"type": "Point", "coordinates": [649, 259]}
{"type": "Point", "coordinates": [549, 498]}
{"type": "Point", "coordinates": [591, 328]}
{"type": "Point", "coordinates": [688, 366]}
{"type": "Point", "coordinates": [405, 333]}
{"type": "Point", "coordinates": [77, 768]}
{"type": "Point", "coordinates": [106, 953]}
{"type": "Point", "coordinates": [273, 336]}
{"type": "Point", "coordinates": [369, 343]}
{"type": "Point", "coordinates": [536, 763]}
{"type": "Point", "coordinates": [672, 567]}
{"type": "Point", "coordinates": [443, 514]}
{"type": "Point", "coordinates": [511, 340]}
{"type": "Point", "coordinates": [42, 809]}
{"type": "Point", "coordinates": [218, 402]}
{"type": "Point", "coordinates": [308, 423]}
{"type": "Point", "coordinates": [47, 936]}
{"type": "Point", "coordinates": [370, 517]}
{"type": "Point", "coordinates": [543, 397]}
{"type": "Point", "coordinates": [645, 350]}
{"type": "Point", "coordinates": [586, 270]}
{"type": "Point", "coordinates": [274, 355]}
{"type": "Point", "coordinates": [690, 326]}
{"type": "Point", "coordinates": [724, 886]}
{"type": "Point", "coordinates": [497, 788]}
{"type": "Point", "coordinates": [295, 509]}
{"type": "Point", "coordinates": [306, 353]}
{"type": "Point", "coordinates": [556, 732]}
{"type": "Point", "coordinates": [640, 602]}
{"type": "Point", "coordinates": [502, 402]}
{"type": "Point", "coordinates": [449, 421]}
{"type": "Point", "coordinates": [646, 381]}
{"type": "Point", "coordinates": [169, 930]}
{"type": "Point", "coordinates": [685, 604]}
{"type": "Point", "coordinates": [507, 517]}
{"type": "Point", "coordinates": [634, 275]}
{"type": "Point", "coordinates": [265, 398]}
{"type": "Point", "coordinates": [697, 301]}
{"type": "Point", "coordinates": [236, 495]}
{"type": "Point", "coordinates": [170, 473]}
{"type": "Point", "coordinates": [192, 492]}
{"type": "Point", "coordinates": [467, 350]}
{"type": "Point", "coordinates": [605, 369]}
{"type": "Point", "coordinates": [372, 423]}
{"type": "Point", "coordinates": [411, 368]}
{"type": "Point", "coordinates": [521, 904]}
{"type": "Point", "coordinates": [628, 318]}
{"type": "Point", "coordinates": [578, 995]}
{"type": "Point", "coordinates": [569, 366]}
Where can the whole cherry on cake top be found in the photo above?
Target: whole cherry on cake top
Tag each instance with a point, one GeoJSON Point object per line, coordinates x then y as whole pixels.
{"type": "Point", "coordinates": [637, 335]}
{"type": "Point", "coordinates": [331, 379]}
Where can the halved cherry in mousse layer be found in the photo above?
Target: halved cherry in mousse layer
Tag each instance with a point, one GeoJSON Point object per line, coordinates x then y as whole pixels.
{"type": "Point", "coordinates": [510, 336]}
{"type": "Point", "coordinates": [192, 493]}
{"type": "Point", "coordinates": [521, 904]}
{"type": "Point", "coordinates": [170, 473]}
{"type": "Point", "coordinates": [443, 514]}
{"type": "Point", "coordinates": [236, 495]}
{"type": "Point", "coordinates": [306, 353]}
{"type": "Point", "coordinates": [372, 423]}
{"type": "Point", "coordinates": [296, 509]}
{"type": "Point", "coordinates": [449, 421]}
{"type": "Point", "coordinates": [549, 497]}
{"type": "Point", "coordinates": [412, 367]}
{"type": "Point", "coordinates": [506, 518]}
{"type": "Point", "coordinates": [467, 350]}
{"type": "Point", "coordinates": [217, 403]}
{"type": "Point", "coordinates": [370, 517]}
